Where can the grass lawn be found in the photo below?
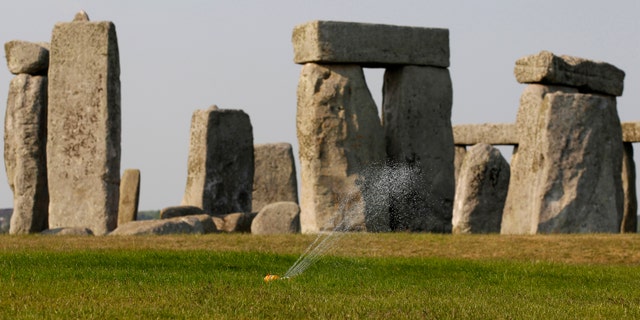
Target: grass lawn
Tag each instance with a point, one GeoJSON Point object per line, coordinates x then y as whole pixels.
{"type": "Point", "coordinates": [365, 276]}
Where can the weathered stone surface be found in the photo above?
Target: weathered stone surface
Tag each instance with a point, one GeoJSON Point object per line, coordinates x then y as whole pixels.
{"type": "Point", "coordinates": [25, 139]}
{"type": "Point", "coordinates": [459, 153]}
{"type": "Point", "coordinates": [333, 42]}
{"type": "Point", "coordinates": [180, 211]}
{"type": "Point", "coordinates": [220, 165]}
{"type": "Point", "coordinates": [234, 222]}
{"type": "Point", "coordinates": [518, 216]}
{"type": "Point", "coordinates": [277, 218]}
{"type": "Point", "coordinates": [587, 75]}
{"type": "Point", "coordinates": [339, 134]}
{"type": "Point", "coordinates": [68, 232]}
{"type": "Point", "coordinates": [274, 178]}
{"type": "Point", "coordinates": [417, 122]}
{"type": "Point", "coordinates": [83, 144]}
{"type": "Point", "coordinates": [481, 191]}
{"type": "Point", "coordinates": [27, 57]}
{"type": "Point", "coordinates": [491, 133]}
{"type": "Point", "coordinates": [629, 216]}
{"type": "Point", "coordinates": [575, 182]}
{"type": "Point", "coordinates": [129, 196]}
{"type": "Point", "coordinates": [631, 131]}
{"type": "Point", "coordinates": [81, 16]}
{"type": "Point", "coordinates": [178, 225]}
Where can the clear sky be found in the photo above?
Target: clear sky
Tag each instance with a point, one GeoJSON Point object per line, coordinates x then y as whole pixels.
{"type": "Point", "coordinates": [179, 56]}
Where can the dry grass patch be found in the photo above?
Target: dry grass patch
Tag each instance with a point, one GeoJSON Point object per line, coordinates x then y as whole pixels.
{"type": "Point", "coordinates": [611, 249]}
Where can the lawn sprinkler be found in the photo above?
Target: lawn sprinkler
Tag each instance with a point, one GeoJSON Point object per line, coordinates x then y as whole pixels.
{"type": "Point", "coordinates": [271, 277]}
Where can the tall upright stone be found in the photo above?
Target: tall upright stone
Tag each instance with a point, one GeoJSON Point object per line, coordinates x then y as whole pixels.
{"type": "Point", "coordinates": [519, 216]}
{"type": "Point", "coordinates": [481, 191]}
{"type": "Point", "coordinates": [274, 178]}
{"type": "Point", "coordinates": [340, 134]}
{"type": "Point", "coordinates": [25, 139]}
{"type": "Point", "coordinates": [220, 165]}
{"type": "Point", "coordinates": [83, 143]}
{"type": "Point", "coordinates": [129, 196]}
{"type": "Point", "coordinates": [417, 123]}
{"type": "Point", "coordinates": [630, 213]}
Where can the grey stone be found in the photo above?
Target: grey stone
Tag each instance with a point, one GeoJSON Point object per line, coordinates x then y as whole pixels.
{"type": "Point", "coordinates": [178, 225]}
{"type": "Point", "coordinates": [334, 42]}
{"type": "Point", "coordinates": [417, 122]}
{"type": "Point", "coordinates": [220, 165]}
{"type": "Point", "coordinates": [481, 191]}
{"type": "Point", "coordinates": [27, 57]}
{"type": "Point", "coordinates": [83, 144]}
{"type": "Point", "coordinates": [274, 178]}
{"type": "Point", "coordinates": [518, 216]}
{"type": "Point", "coordinates": [459, 153]}
{"type": "Point", "coordinates": [25, 139]}
{"type": "Point", "coordinates": [629, 217]}
{"type": "Point", "coordinates": [575, 183]}
{"type": "Point", "coordinates": [81, 16]}
{"type": "Point", "coordinates": [129, 196]}
{"type": "Point", "coordinates": [631, 131]}
{"type": "Point", "coordinates": [339, 134]}
{"type": "Point", "coordinates": [180, 211]}
{"type": "Point", "coordinates": [490, 133]}
{"type": "Point", "coordinates": [277, 218]}
{"type": "Point", "coordinates": [234, 222]}
{"type": "Point", "coordinates": [68, 232]}
{"type": "Point", "coordinates": [587, 75]}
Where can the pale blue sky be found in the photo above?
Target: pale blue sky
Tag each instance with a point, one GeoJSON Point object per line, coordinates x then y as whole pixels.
{"type": "Point", "coordinates": [179, 56]}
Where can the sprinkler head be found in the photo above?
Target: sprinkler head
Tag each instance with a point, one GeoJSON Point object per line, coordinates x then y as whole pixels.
{"type": "Point", "coordinates": [271, 277]}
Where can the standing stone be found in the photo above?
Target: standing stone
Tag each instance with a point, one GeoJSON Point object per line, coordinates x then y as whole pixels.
{"type": "Point", "coordinates": [577, 186]}
{"type": "Point", "coordinates": [220, 165]}
{"type": "Point", "coordinates": [27, 57]}
{"type": "Point", "coordinates": [519, 216]}
{"type": "Point", "coordinates": [274, 178]}
{"type": "Point", "coordinates": [458, 158]}
{"type": "Point", "coordinates": [417, 122]}
{"type": "Point", "coordinates": [83, 146]}
{"type": "Point", "coordinates": [339, 134]}
{"type": "Point", "coordinates": [481, 191]}
{"type": "Point", "coordinates": [129, 196]}
{"type": "Point", "coordinates": [277, 218]}
{"type": "Point", "coordinates": [25, 139]}
{"type": "Point", "coordinates": [629, 217]}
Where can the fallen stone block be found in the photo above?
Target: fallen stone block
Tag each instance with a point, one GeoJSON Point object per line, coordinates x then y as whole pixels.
{"type": "Point", "coordinates": [234, 222]}
{"type": "Point", "coordinates": [586, 75]}
{"type": "Point", "coordinates": [179, 225]}
{"type": "Point", "coordinates": [179, 211]}
{"type": "Point", "coordinates": [68, 232]}
{"type": "Point", "coordinates": [27, 57]}
{"type": "Point", "coordinates": [277, 218]}
{"type": "Point", "coordinates": [370, 45]}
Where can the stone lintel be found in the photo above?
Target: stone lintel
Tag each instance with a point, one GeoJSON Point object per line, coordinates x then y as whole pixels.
{"type": "Point", "coordinates": [587, 75]}
{"type": "Point", "coordinates": [631, 131]}
{"type": "Point", "coordinates": [489, 133]}
{"type": "Point", "coordinates": [371, 45]}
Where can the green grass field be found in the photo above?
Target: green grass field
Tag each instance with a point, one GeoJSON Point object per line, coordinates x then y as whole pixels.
{"type": "Point", "coordinates": [367, 276]}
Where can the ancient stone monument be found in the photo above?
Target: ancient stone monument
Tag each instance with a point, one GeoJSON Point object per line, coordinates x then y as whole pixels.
{"type": "Point", "coordinates": [129, 196]}
{"type": "Point", "coordinates": [25, 136]}
{"type": "Point", "coordinates": [83, 143]}
{"type": "Point", "coordinates": [220, 165]}
{"type": "Point", "coordinates": [277, 218]}
{"type": "Point", "coordinates": [481, 191]}
{"type": "Point", "coordinates": [274, 178]}
{"type": "Point", "coordinates": [565, 172]}
{"type": "Point", "coordinates": [340, 133]}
